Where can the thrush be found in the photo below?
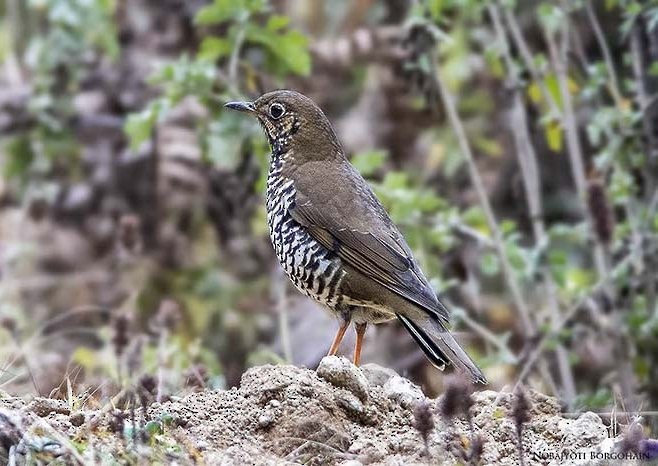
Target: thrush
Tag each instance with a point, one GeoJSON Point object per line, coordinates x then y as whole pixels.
{"type": "Point", "coordinates": [335, 240]}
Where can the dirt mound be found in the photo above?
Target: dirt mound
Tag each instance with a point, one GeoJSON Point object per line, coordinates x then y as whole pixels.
{"type": "Point", "coordinates": [338, 414]}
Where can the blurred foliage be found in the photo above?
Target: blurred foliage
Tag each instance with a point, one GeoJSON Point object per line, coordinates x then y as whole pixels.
{"type": "Point", "coordinates": [78, 32]}
{"type": "Point", "coordinates": [241, 47]}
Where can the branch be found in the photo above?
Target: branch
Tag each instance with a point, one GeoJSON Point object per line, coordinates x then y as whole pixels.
{"type": "Point", "coordinates": [559, 59]}
{"type": "Point", "coordinates": [508, 272]}
{"type": "Point", "coordinates": [527, 158]}
{"type": "Point", "coordinates": [602, 283]}
{"type": "Point", "coordinates": [613, 84]}
{"type": "Point", "coordinates": [642, 97]}
{"type": "Point", "coordinates": [528, 61]}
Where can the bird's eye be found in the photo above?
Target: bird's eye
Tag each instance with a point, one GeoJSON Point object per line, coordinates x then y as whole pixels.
{"type": "Point", "coordinates": [277, 110]}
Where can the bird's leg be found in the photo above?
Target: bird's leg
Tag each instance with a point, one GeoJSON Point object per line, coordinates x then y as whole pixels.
{"type": "Point", "coordinates": [338, 338]}
{"type": "Point", "coordinates": [360, 332]}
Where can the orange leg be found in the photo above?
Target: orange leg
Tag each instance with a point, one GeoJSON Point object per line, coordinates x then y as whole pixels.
{"type": "Point", "coordinates": [338, 338]}
{"type": "Point", "coordinates": [360, 332]}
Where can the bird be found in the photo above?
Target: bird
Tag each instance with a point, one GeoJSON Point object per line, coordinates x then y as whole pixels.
{"type": "Point", "coordinates": [334, 239]}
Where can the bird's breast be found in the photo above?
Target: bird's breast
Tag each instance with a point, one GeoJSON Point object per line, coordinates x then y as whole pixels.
{"type": "Point", "coordinates": [314, 270]}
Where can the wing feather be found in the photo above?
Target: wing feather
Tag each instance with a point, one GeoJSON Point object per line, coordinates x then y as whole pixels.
{"type": "Point", "coordinates": [361, 233]}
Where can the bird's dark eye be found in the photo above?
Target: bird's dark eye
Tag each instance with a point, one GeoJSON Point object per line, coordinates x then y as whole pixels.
{"type": "Point", "coordinates": [277, 110]}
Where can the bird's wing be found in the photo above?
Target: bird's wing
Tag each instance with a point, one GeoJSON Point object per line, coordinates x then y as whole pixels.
{"type": "Point", "coordinates": [343, 214]}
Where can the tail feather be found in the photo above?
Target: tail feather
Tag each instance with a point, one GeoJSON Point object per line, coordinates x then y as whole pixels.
{"type": "Point", "coordinates": [440, 347]}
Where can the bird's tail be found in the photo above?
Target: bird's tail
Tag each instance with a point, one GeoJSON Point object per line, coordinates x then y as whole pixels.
{"type": "Point", "coordinates": [440, 347]}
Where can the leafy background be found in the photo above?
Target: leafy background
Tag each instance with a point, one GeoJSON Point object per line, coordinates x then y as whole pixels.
{"type": "Point", "coordinates": [514, 143]}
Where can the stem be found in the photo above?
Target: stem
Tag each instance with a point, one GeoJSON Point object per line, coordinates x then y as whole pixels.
{"type": "Point", "coordinates": [613, 83]}
{"type": "Point", "coordinates": [528, 61]}
{"type": "Point", "coordinates": [484, 332]}
{"type": "Point", "coordinates": [235, 58]}
{"type": "Point", "coordinates": [644, 102]}
{"type": "Point", "coordinates": [625, 372]}
{"type": "Point", "coordinates": [26, 359]}
{"type": "Point", "coordinates": [162, 360]}
{"type": "Point", "coordinates": [519, 440]}
{"type": "Point", "coordinates": [499, 243]}
{"type": "Point", "coordinates": [570, 125]}
{"type": "Point", "coordinates": [602, 283]}
{"type": "Point", "coordinates": [527, 158]}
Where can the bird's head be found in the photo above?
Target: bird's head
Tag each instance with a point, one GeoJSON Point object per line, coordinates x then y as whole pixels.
{"type": "Point", "coordinates": [293, 123]}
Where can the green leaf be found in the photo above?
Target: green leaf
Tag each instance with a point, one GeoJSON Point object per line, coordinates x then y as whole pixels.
{"type": "Point", "coordinates": [139, 126]}
{"type": "Point", "coordinates": [214, 48]}
{"type": "Point", "coordinates": [589, 401]}
{"type": "Point", "coordinates": [224, 10]}
{"type": "Point", "coordinates": [622, 186]}
{"type": "Point", "coordinates": [291, 48]}
{"type": "Point", "coordinates": [489, 264]}
{"type": "Point", "coordinates": [185, 77]}
{"type": "Point", "coordinates": [277, 22]}
{"type": "Point", "coordinates": [218, 12]}
{"type": "Point", "coordinates": [153, 428]}
{"type": "Point", "coordinates": [367, 163]}
{"type": "Point", "coordinates": [553, 84]}
{"type": "Point", "coordinates": [20, 157]}
{"type": "Point", "coordinates": [396, 180]}
{"type": "Point", "coordinates": [434, 8]}
{"type": "Point", "coordinates": [577, 280]}
{"type": "Point", "coordinates": [653, 69]}
{"type": "Point", "coordinates": [507, 227]}
{"type": "Point", "coordinates": [550, 16]}
{"type": "Point", "coordinates": [475, 218]}
{"type": "Point", "coordinates": [255, 6]}
{"type": "Point", "coordinates": [518, 257]}
{"type": "Point", "coordinates": [225, 138]}
{"type": "Point", "coordinates": [534, 92]}
{"type": "Point", "coordinates": [84, 357]}
{"type": "Point", "coordinates": [553, 134]}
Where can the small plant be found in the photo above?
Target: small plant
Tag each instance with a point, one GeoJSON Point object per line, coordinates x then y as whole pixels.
{"type": "Point", "coordinates": [424, 422]}
{"type": "Point", "coordinates": [520, 414]}
{"type": "Point", "coordinates": [457, 401]}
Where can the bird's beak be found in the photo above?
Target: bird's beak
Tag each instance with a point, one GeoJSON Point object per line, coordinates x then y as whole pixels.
{"type": "Point", "coordinates": [241, 106]}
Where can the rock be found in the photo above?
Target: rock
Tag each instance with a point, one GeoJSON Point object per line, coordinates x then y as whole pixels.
{"type": "Point", "coordinates": [285, 415]}
{"type": "Point", "coordinates": [341, 373]}
{"type": "Point", "coordinates": [42, 407]}
{"type": "Point", "coordinates": [588, 428]}
{"type": "Point", "coordinates": [402, 391]}
{"type": "Point", "coordinates": [10, 429]}
{"type": "Point", "coordinates": [202, 445]}
{"type": "Point", "coordinates": [377, 375]}
{"type": "Point", "coordinates": [77, 418]}
{"type": "Point", "coordinates": [266, 419]}
{"type": "Point", "coordinates": [350, 403]}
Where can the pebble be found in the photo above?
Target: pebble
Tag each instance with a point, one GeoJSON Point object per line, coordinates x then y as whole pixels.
{"type": "Point", "coordinates": [343, 374]}
{"type": "Point", "coordinates": [77, 418]}
{"type": "Point", "coordinates": [42, 407]}
{"type": "Point", "coordinates": [402, 391]}
{"type": "Point", "coordinates": [350, 403]}
{"type": "Point", "coordinates": [266, 420]}
{"type": "Point", "coordinates": [377, 375]}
